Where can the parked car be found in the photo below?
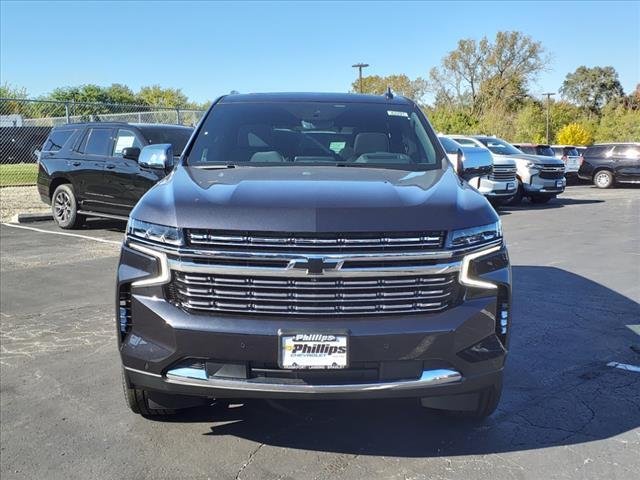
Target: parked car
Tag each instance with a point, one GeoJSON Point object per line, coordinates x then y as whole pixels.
{"type": "Point", "coordinates": [540, 177]}
{"type": "Point", "coordinates": [572, 159]}
{"type": "Point", "coordinates": [93, 169]}
{"type": "Point", "coordinates": [313, 246]}
{"type": "Point", "coordinates": [608, 163]}
{"type": "Point", "coordinates": [536, 149]}
{"type": "Point", "coordinates": [498, 183]}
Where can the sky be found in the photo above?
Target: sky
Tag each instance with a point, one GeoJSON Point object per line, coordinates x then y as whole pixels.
{"type": "Point", "coordinates": [210, 48]}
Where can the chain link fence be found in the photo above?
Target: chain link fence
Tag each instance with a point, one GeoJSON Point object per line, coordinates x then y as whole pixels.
{"type": "Point", "coordinates": [25, 125]}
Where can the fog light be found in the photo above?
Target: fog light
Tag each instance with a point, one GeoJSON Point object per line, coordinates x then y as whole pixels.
{"type": "Point", "coordinates": [485, 349]}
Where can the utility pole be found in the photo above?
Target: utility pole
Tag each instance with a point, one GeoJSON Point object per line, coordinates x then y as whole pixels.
{"type": "Point", "coordinates": [360, 66]}
{"type": "Point", "coordinates": [548, 95]}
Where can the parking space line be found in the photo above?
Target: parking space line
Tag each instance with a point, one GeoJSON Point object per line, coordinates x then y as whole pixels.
{"type": "Point", "coordinates": [77, 235]}
{"type": "Point", "coordinates": [624, 366]}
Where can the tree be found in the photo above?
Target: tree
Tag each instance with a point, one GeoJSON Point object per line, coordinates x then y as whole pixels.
{"type": "Point", "coordinates": [618, 124]}
{"type": "Point", "coordinates": [8, 90]}
{"type": "Point", "coordinates": [530, 123]}
{"type": "Point", "coordinates": [452, 120]}
{"type": "Point", "coordinates": [574, 134]}
{"type": "Point", "coordinates": [400, 84]}
{"type": "Point", "coordinates": [118, 93]}
{"type": "Point", "coordinates": [476, 74]}
{"type": "Point", "coordinates": [592, 88]}
{"type": "Point", "coordinates": [165, 97]}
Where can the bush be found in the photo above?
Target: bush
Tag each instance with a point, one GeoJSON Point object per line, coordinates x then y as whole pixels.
{"type": "Point", "coordinates": [574, 134]}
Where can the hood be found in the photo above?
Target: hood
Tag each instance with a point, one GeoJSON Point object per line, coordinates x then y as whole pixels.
{"type": "Point", "coordinates": [314, 199]}
{"type": "Point", "coordinates": [539, 159]}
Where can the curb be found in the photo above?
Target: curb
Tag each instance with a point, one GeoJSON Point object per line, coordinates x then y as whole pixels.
{"type": "Point", "coordinates": [34, 217]}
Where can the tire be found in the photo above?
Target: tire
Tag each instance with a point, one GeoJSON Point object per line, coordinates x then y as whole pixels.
{"type": "Point", "coordinates": [65, 207]}
{"type": "Point", "coordinates": [138, 401]}
{"type": "Point", "coordinates": [517, 197]}
{"type": "Point", "coordinates": [540, 200]}
{"type": "Point", "coordinates": [603, 179]}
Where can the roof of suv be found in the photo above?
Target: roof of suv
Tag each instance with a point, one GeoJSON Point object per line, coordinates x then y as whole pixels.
{"type": "Point", "coordinates": [315, 97]}
{"type": "Point", "coordinates": [146, 126]}
{"type": "Point", "coordinates": [531, 144]}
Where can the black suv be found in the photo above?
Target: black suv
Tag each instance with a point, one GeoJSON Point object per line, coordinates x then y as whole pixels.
{"type": "Point", "coordinates": [313, 246]}
{"type": "Point", "coordinates": [93, 169]}
{"type": "Point", "coordinates": [607, 163]}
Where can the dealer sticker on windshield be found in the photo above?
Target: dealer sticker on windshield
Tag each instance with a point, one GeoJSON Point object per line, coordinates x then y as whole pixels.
{"type": "Point", "coordinates": [313, 351]}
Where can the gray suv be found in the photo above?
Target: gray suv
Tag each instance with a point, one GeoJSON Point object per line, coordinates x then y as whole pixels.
{"type": "Point", "coordinates": [312, 246]}
{"type": "Point", "coordinates": [540, 178]}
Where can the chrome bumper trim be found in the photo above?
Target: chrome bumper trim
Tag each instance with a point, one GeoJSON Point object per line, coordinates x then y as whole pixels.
{"type": "Point", "coordinates": [427, 379]}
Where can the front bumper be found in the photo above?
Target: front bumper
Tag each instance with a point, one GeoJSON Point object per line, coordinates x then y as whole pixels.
{"type": "Point", "coordinates": [544, 187]}
{"type": "Point", "coordinates": [496, 188]}
{"type": "Point", "coordinates": [166, 349]}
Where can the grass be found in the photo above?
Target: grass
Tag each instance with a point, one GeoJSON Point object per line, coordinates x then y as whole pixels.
{"type": "Point", "coordinates": [18, 174]}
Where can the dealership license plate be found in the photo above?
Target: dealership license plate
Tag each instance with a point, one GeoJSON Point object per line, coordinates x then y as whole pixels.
{"type": "Point", "coordinates": [559, 183]}
{"type": "Point", "coordinates": [510, 186]}
{"type": "Point", "coordinates": [313, 351]}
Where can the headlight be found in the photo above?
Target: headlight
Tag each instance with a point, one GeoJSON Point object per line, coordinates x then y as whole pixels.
{"type": "Point", "coordinates": [532, 166]}
{"type": "Point", "coordinates": [154, 232]}
{"type": "Point", "coordinates": [468, 237]}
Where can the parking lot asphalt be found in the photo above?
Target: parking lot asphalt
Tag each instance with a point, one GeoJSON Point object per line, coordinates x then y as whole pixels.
{"type": "Point", "coordinates": [564, 414]}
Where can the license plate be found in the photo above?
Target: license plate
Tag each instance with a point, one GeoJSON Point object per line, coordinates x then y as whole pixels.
{"type": "Point", "coordinates": [313, 351]}
{"type": "Point", "coordinates": [559, 184]}
{"type": "Point", "coordinates": [510, 186]}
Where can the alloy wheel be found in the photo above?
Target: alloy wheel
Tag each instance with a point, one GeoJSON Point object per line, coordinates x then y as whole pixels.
{"type": "Point", "coordinates": [602, 180]}
{"type": "Point", "coordinates": [62, 206]}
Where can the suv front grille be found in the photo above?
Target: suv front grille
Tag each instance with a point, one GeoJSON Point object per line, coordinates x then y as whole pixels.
{"type": "Point", "coordinates": [199, 292]}
{"type": "Point", "coordinates": [315, 242]}
{"type": "Point", "coordinates": [552, 172]}
{"type": "Point", "coordinates": [503, 173]}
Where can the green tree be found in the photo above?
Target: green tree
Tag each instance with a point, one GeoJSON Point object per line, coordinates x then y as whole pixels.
{"type": "Point", "coordinates": [165, 97]}
{"type": "Point", "coordinates": [574, 134]}
{"type": "Point", "coordinates": [618, 124]}
{"type": "Point", "coordinates": [118, 93]}
{"type": "Point", "coordinates": [530, 123]}
{"type": "Point", "coordinates": [8, 90]}
{"type": "Point", "coordinates": [452, 120]}
{"type": "Point", "coordinates": [400, 84]}
{"type": "Point", "coordinates": [592, 88]}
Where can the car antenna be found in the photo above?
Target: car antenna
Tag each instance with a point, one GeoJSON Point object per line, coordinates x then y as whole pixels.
{"type": "Point", "coordinates": [389, 93]}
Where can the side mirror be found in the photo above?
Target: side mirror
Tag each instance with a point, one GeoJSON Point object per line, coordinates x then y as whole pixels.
{"type": "Point", "coordinates": [158, 156]}
{"type": "Point", "coordinates": [132, 153]}
{"type": "Point", "coordinates": [477, 163]}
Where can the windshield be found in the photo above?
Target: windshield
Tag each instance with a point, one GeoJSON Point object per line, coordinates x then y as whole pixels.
{"type": "Point", "coordinates": [177, 137]}
{"type": "Point", "coordinates": [285, 133]}
{"type": "Point", "coordinates": [545, 150]}
{"type": "Point", "coordinates": [571, 152]}
{"type": "Point", "coordinates": [499, 147]}
{"type": "Point", "coordinates": [450, 146]}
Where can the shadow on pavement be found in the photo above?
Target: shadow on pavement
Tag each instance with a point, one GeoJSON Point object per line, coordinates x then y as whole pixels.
{"type": "Point", "coordinates": [104, 224]}
{"type": "Point", "coordinates": [558, 389]}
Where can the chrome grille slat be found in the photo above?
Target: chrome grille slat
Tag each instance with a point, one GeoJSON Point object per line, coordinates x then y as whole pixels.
{"type": "Point", "coordinates": [503, 173]}
{"type": "Point", "coordinates": [201, 292]}
{"type": "Point", "coordinates": [308, 242]}
{"type": "Point", "coordinates": [315, 285]}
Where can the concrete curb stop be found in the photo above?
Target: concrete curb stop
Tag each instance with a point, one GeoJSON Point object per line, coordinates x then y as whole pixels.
{"type": "Point", "coordinates": [33, 217]}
